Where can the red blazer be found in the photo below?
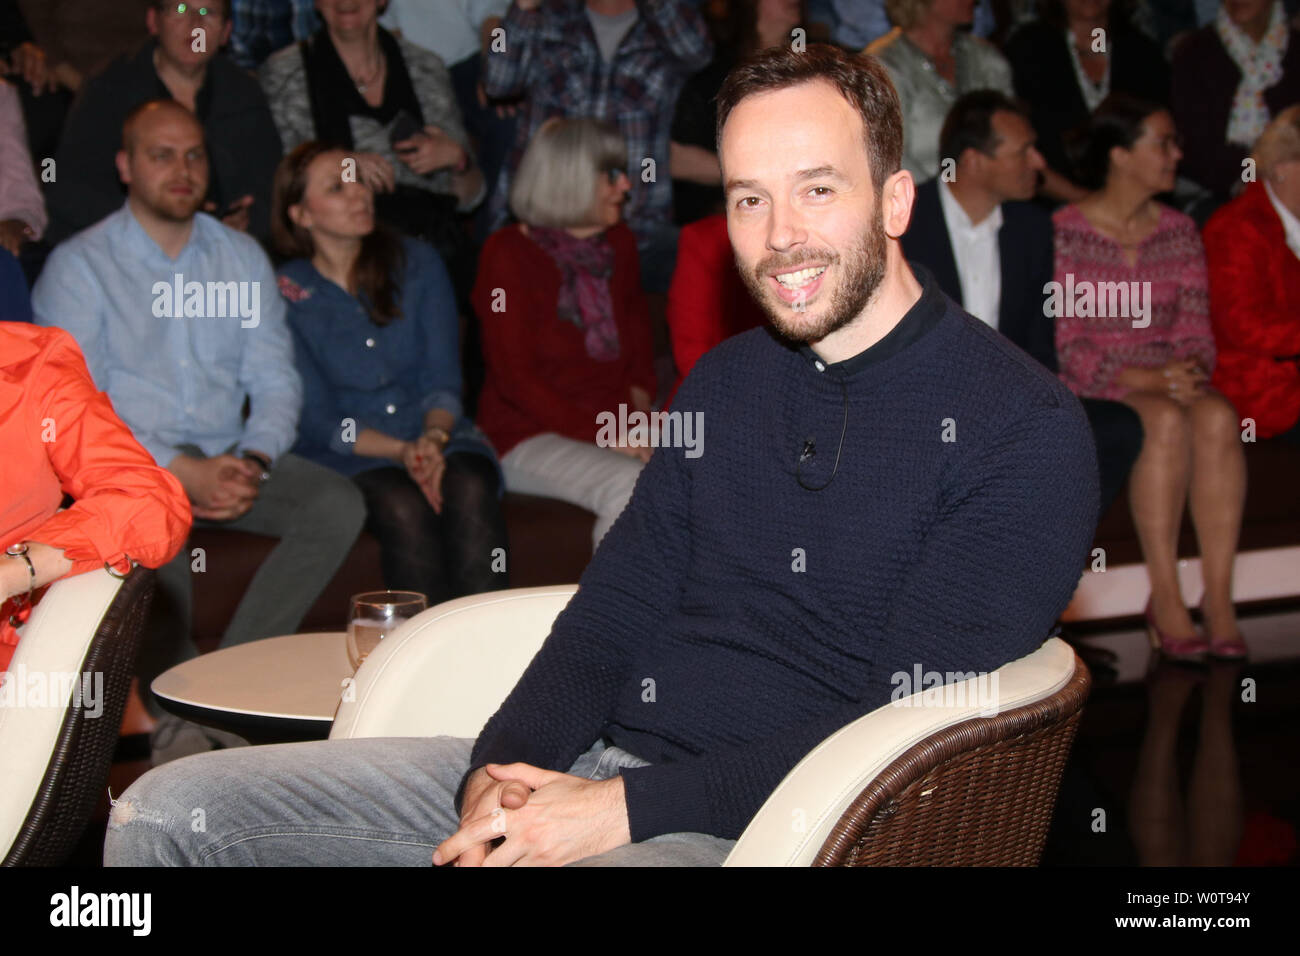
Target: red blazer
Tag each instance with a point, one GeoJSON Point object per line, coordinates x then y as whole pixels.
{"type": "Point", "coordinates": [707, 301]}
{"type": "Point", "coordinates": [539, 376]}
{"type": "Point", "coordinates": [1255, 309]}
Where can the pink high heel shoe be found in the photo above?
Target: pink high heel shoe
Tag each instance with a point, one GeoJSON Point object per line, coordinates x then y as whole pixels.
{"type": "Point", "coordinates": [1190, 648]}
{"type": "Point", "coordinates": [1231, 648]}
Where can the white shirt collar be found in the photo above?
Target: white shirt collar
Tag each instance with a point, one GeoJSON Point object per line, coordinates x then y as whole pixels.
{"type": "Point", "coordinates": [1289, 221]}
{"type": "Point", "coordinates": [957, 218]}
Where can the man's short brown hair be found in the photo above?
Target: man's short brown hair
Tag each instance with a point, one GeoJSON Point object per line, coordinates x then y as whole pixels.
{"type": "Point", "coordinates": [860, 79]}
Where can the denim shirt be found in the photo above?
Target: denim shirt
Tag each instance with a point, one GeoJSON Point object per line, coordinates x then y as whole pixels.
{"type": "Point", "coordinates": [359, 375]}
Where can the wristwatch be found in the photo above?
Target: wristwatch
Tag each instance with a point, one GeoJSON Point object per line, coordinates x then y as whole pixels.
{"type": "Point", "coordinates": [262, 462]}
{"type": "Point", "coordinates": [23, 603]}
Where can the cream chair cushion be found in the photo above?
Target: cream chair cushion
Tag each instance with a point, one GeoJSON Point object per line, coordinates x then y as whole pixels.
{"type": "Point", "coordinates": [46, 664]}
{"type": "Point", "coordinates": [447, 670]}
{"type": "Point", "coordinates": [791, 827]}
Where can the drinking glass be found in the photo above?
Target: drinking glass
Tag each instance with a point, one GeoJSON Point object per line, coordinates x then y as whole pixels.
{"type": "Point", "coordinates": [373, 614]}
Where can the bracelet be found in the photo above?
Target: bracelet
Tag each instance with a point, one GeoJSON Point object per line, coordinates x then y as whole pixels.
{"type": "Point", "coordinates": [22, 605]}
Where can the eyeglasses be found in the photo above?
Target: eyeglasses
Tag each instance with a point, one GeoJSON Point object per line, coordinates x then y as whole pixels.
{"type": "Point", "coordinates": [614, 173]}
{"type": "Point", "coordinates": [179, 10]}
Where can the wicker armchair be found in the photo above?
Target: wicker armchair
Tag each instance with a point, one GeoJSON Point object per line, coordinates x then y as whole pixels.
{"type": "Point", "coordinates": [57, 752]}
{"type": "Point", "coordinates": [937, 784]}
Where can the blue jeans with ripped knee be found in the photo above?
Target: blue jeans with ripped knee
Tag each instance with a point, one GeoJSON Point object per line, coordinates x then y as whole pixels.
{"type": "Point", "coordinates": [383, 801]}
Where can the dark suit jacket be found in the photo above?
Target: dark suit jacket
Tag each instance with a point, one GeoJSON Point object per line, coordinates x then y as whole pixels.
{"type": "Point", "coordinates": [1025, 251]}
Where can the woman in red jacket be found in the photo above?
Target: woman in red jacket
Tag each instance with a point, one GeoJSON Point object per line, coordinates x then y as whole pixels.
{"type": "Point", "coordinates": [58, 434]}
{"type": "Point", "coordinates": [1253, 248]}
{"type": "Point", "coordinates": [566, 327]}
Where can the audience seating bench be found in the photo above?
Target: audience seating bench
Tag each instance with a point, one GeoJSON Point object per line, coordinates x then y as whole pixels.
{"type": "Point", "coordinates": [550, 543]}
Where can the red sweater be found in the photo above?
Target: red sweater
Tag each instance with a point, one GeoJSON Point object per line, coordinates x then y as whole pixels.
{"type": "Point", "coordinates": [707, 301]}
{"type": "Point", "coordinates": [1255, 308]}
{"type": "Point", "coordinates": [539, 375]}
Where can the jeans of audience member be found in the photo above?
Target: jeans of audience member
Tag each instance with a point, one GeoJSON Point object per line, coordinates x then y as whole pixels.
{"type": "Point", "coordinates": [314, 511]}
{"type": "Point", "coordinates": [493, 135]}
{"type": "Point", "coordinates": [1117, 431]}
{"type": "Point", "coordinates": [378, 801]}
{"type": "Point", "coordinates": [443, 556]}
{"type": "Point", "coordinates": [15, 302]}
{"type": "Point", "coordinates": [581, 473]}
{"type": "Point", "coordinates": [656, 248]}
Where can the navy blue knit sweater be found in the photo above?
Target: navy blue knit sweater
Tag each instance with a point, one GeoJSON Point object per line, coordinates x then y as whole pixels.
{"type": "Point", "coordinates": [767, 615]}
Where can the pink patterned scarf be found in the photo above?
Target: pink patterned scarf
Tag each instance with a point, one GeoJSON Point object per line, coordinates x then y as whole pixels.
{"type": "Point", "coordinates": [586, 268]}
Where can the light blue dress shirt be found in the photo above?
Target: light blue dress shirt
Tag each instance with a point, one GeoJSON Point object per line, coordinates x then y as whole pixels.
{"type": "Point", "coordinates": [178, 380]}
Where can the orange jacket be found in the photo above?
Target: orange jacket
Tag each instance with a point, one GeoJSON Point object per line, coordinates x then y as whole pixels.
{"type": "Point", "coordinates": [58, 434]}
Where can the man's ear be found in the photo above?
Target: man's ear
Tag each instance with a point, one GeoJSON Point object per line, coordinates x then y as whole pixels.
{"type": "Point", "coordinates": [123, 160]}
{"type": "Point", "coordinates": [226, 31]}
{"type": "Point", "coordinates": [896, 200]}
{"type": "Point", "coordinates": [151, 20]}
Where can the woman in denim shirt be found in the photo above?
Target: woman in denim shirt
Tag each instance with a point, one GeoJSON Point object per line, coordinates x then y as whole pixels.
{"type": "Point", "coordinates": [376, 340]}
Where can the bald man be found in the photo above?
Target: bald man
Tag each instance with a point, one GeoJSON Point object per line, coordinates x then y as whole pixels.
{"type": "Point", "coordinates": [181, 322]}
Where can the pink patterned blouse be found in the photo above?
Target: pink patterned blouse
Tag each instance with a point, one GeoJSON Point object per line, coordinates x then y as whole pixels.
{"type": "Point", "coordinates": [1102, 305]}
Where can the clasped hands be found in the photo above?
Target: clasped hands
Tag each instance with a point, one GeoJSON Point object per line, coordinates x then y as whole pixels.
{"type": "Point", "coordinates": [1184, 380]}
{"type": "Point", "coordinates": [546, 818]}
{"type": "Point", "coordinates": [221, 488]}
{"type": "Point", "coordinates": [425, 463]}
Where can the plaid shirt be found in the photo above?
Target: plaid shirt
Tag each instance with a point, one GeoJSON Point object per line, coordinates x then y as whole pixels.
{"type": "Point", "coordinates": [263, 26]}
{"type": "Point", "coordinates": [551, 56]}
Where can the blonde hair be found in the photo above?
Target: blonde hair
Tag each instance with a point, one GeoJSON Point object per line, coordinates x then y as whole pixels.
{"type": "Point", "coordinates": [555, 186]}
{"type": "Point", "coordinates": [1279, 143]}
{"type": "Point", "coordinates": [906, 14]}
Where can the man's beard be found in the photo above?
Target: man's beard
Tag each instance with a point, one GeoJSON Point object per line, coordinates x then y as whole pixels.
{"type": "Point", "coordinates": [863, 269]}
{"type": "Point", "coordinates": [174, 208]}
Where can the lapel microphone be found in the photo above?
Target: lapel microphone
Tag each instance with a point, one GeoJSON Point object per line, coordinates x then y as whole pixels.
{"type": "Point", "coordinates": [810, 447]}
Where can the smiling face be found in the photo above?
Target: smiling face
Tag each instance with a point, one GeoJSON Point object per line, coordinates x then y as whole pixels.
{"type": "Point", "coordinates": [802, 211]}
{"type": "Point", "coordinates": [348, 17]}
{"type": "Point", "coordinates": [1153, 159]}
{"type": "Point", "coordinates": [165, 163]}
{"type": "Point", "coordinates": [331, 207]}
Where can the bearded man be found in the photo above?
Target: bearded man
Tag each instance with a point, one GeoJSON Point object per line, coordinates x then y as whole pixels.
{"type": "Point", "coordinates": [888, 483]}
